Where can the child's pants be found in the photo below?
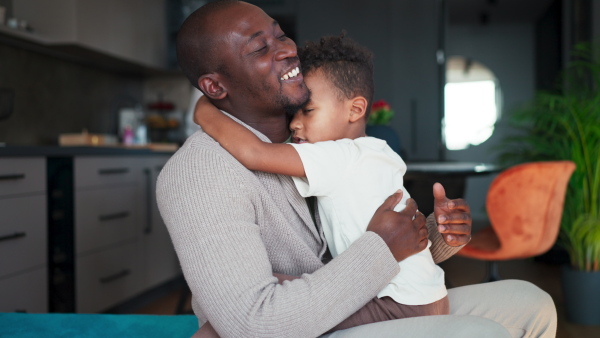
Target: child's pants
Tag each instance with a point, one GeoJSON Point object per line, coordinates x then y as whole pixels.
{"type": "Point", "coordinates": [385, 308]}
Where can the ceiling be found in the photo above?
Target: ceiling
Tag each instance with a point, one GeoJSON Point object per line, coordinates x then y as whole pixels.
{"type": "Point", "coordinates": [495, 11]}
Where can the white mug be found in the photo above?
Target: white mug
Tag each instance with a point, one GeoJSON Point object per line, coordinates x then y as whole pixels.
{"type": "Point", "coordinates": [13, 23]}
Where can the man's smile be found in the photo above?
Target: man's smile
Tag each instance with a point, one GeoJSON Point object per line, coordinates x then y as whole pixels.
{"type": "Point", "coordinates": [291, 74]}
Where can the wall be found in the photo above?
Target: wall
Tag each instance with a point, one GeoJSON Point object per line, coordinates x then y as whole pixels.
{"type": "Point", "coordinates": [596, 20]}
{"type": "Point", "coordinates": [508, 50]}
{"type": "Point", "coordinates": [55, 96]}
{"type": "Point", "coordinates": [417, 78]}
{"type": "Point", "coordinates": [403, 37]}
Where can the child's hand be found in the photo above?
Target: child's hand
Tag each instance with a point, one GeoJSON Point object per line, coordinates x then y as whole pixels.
{"type": "Point", "coordinates": [453, 217]}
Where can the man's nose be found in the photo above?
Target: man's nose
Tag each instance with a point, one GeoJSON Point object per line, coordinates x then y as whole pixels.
{"type": "Point", "coordinates": [286, 49]}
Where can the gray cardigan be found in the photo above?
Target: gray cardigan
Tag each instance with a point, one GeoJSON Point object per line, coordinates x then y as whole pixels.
{"type": "Point", "coordinates": [233, 228]}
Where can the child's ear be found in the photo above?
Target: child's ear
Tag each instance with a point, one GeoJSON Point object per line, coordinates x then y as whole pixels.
{"type": "Point", "coordinates": [358, 108]}
{"type": "Point", "coordinates": [212, 87]}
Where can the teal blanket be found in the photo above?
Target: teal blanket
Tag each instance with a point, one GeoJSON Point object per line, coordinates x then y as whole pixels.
{"type": "Point", "coordinates": [22, 325]}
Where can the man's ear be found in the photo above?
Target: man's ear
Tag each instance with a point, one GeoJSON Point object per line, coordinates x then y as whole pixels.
{"type": "Point", "coordinates": [358, 108]}
{"type": "Point", "coordinates": [212, 87]}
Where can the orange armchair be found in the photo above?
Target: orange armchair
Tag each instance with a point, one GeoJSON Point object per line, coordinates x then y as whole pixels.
{"type": "Point", "coordinates": [524, 205]}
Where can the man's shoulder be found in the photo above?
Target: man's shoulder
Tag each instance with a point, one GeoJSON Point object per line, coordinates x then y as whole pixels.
{"type": "Point", "coordinates": [201, 153]}
{"type": "Point", "coordinates": [199, 140]}
{"type": "Point", "coordinates": [201, 145]}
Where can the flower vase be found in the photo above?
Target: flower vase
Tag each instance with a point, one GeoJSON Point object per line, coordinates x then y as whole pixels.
{"type": "Point", "coordinates": [387, 134]}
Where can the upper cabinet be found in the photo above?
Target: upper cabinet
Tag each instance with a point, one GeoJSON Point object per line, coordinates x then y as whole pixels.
{"type": "Point", "coordinates": [132, 31]}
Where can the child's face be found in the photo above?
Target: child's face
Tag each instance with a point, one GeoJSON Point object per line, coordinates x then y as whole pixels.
{"type": "Point", "coordinates": [325, 117]}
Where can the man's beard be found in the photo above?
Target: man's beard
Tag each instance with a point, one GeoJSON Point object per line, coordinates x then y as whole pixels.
{"type": "Point", "coordinates": [286, 103]}
{"type": "Point", "coordinates": [291, 108]}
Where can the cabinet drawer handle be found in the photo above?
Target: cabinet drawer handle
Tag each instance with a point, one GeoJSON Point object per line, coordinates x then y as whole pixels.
{"type": "Point", "coordinates": [113, 171]}
{"type": "Point", "coordinates": [116, 215]}
{"type": "Point", "coordinates": [11, 177]}
{"type": "Point", "coordinates": [13, 236]}
{"type": "Point", "coordinates": [149, 199]}
{"type": "Point", "coordinates": [114, 277]}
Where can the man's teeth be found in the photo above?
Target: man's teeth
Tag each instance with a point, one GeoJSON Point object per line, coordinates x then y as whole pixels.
{"type": "Point", "coordinates": [293, 73]}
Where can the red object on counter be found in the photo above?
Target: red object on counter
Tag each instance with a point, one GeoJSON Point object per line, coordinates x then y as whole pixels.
{"type": "Point", "coordinates": [161, 105]}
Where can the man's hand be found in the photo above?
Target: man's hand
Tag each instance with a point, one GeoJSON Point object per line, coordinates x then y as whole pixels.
{"type": "Point", "coordinates": [452, 216]}
{"type": "Point", "coordinates": [403, 235]}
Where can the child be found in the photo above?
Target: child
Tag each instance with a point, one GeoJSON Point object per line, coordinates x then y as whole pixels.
{"type": "Point", "coordinates": [349, 173]}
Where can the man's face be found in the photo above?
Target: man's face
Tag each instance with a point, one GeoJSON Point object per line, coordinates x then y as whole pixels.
{"type": "Point", "coordinates": [260, 61]}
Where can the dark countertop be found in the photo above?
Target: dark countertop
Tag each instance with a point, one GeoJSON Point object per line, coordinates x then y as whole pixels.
{"type": "Point", "coordinates": [420, 177]}
{"type": "Point", "coordinates": [451, 168]}
{"type": "Point", "coordinates": [57, 151]}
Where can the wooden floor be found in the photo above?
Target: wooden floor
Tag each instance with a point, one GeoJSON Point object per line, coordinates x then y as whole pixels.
{"type": "Point", "coordinates": [462, 271]}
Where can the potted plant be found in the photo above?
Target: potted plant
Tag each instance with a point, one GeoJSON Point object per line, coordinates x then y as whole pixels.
{"type": "Point", "coordinates": [378, 125]}
{"type": "Point", "coordinates": [565, 125]}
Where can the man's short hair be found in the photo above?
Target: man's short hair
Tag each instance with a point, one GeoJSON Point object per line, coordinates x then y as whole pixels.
{"type": "Point", "coordinates": [347, 64]}
{"type": "Point", "coordinates": [196, 45]}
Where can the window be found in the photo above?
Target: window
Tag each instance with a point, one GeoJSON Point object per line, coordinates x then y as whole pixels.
{"type": "Point", "coordinates": [471, 103]}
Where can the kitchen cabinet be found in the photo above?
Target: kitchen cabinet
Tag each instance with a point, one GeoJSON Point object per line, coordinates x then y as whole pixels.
{"type": "Point", "coordinates": [120, 246]}
{"type": "Point", "coordinates": [25, 292]}
{"type": "Point", "coordinates": [108, 277]}
{"type": "Point", "coordinates": [80, 229]}
{"type": "Point", "coordinates": [23, 236]}
{"type": "Point", "coordinates": [160, 260]}
{"type": "Point", "coordinates": [108, 223]}
{"type": "Point", "coordinates": [132, 30]}
{"type": "Point", "coordinates": [107, 211]}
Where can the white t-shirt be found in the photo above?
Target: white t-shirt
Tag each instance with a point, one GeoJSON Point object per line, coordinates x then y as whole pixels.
{"type": "Point", "coordinates": [351, 179]}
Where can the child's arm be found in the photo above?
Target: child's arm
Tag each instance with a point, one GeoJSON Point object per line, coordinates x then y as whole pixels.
{"type": "Point", "coordinates": [282, 278]}
{"type": "Point", "coordinates": [246, 147]}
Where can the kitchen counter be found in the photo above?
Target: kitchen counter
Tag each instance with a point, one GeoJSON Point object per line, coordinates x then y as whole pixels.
{"type": "Point", "coordinates": [57, 151]}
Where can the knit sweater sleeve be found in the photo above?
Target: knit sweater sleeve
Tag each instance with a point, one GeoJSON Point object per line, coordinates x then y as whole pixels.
{"type": "Point", "coordinates": [211, 217]}
{"type": "Point", "coordinates": [440, 250]}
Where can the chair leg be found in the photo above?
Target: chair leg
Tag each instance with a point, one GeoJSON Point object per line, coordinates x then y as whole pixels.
{"type": "Point", "coordinates": [491, 272]}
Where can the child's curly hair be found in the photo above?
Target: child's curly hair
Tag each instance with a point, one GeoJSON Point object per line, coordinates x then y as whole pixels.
{"type": "Point", "coordinates": [348, 65]}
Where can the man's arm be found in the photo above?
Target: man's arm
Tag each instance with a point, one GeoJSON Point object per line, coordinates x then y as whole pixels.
{"type": "Point", "coordinates": [210, 206]}
{"type": "Point", "coordinates": [240, 142]}
{"type": "Point", "coordinates": [207, 331]}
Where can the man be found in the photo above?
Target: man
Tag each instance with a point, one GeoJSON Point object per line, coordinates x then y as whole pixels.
{"type": "Point", "coordinates": [233, 229]}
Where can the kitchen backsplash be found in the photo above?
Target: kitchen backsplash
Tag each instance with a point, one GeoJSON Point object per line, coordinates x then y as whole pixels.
{"type": "Point", "coordinates": [53, 96]}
